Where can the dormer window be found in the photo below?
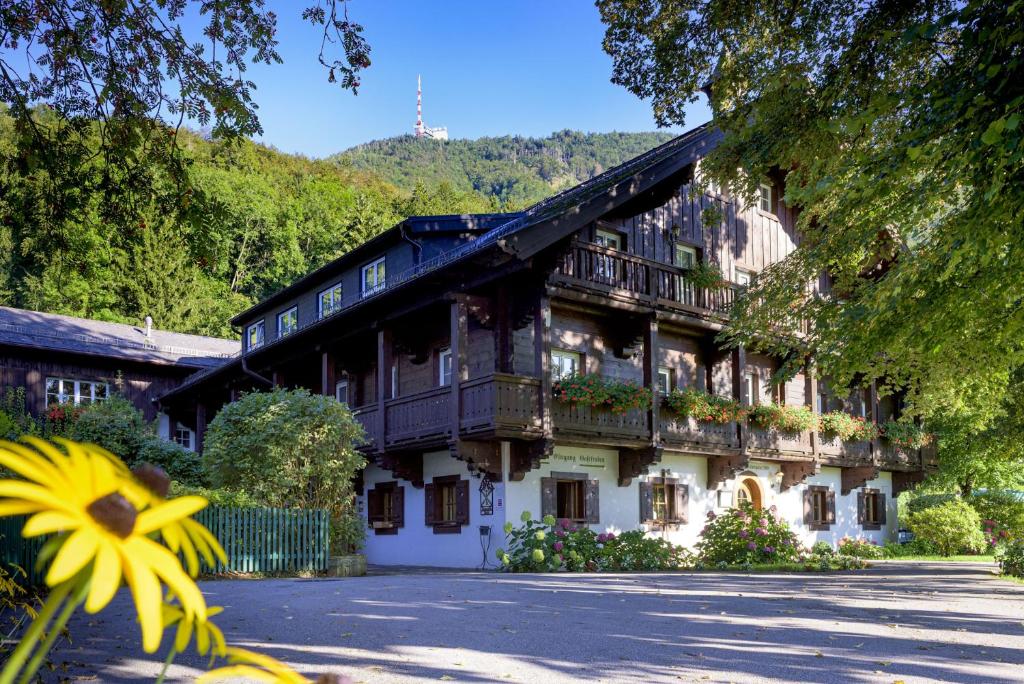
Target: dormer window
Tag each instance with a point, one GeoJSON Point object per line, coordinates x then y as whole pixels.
{"type": "Point", "coordinates": [373, 276]}
{"type": "Point", "coordinates": [287, 322]}
{"type": "Point", "coordinates": [765, 198]}
{"type": "Point", "coordinates": [329, 301]}
{"type": "Point", "coordinates": [254, 335]}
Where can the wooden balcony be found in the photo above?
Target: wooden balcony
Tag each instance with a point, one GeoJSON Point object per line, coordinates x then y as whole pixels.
{"type": "Point", "coordinates": [577, 421]}
{"type": "Point", "coordinates": [613, 271]}
{"type": "Point", "coordinates": [892, 456]}
{"type": "Point", "coordinates": [502, 404]}
{"type": "Point", "coordinates": [760, 439]}
{"type": "Point", "coordinates": [694, 434]}
{"type": "Point", "coordinates": [830, 445]}
{"type": "Point", "coordinates": [420, 417]}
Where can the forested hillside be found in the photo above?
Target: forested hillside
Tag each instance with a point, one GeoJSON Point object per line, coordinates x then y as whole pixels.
{"type": "Point", "coordinates": [517, 171]}
{"type": "Point", "coordinates": [253, 220]}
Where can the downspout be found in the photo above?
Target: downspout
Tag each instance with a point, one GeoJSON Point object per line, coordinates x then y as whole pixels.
{"type": "Point", "coordinates": [415, 245]}
{"type": "Point", "coordinates": [254, 374]}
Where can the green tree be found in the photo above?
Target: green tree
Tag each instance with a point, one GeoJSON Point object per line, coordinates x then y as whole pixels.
{"type": "Point", "coordinates": [286, 448]}
{"type": "Point", "coordinates": [895, 129]}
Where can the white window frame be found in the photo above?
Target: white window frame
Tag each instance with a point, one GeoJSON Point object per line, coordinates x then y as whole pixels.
{"type": "Point", "coordinates": [394, 381]}
{"type": "Point", "coordinates": [764, 197]}
{"type": "Point", "coordinates": [742, 273]}
{"type": "Point", "coordinates": [182, 436]}
{"type": "Point", "coordinates": [560, 359]}
{"type": "Point", "coordinates": [608, 238]}
{"type": "Point", "coordinates": [444, 356]}
{"type": "Point", "coordinates": [377, 267]}
{"type": "Point", "coordinates": [689, 250]}
{"type": "Point", "coordinates": [293, 314]}
{"type": "Point", "coordinates": [260, 328]}
{"type": "Point", "coordinates": [75, 392]}
{"type": "Point", "coordinates": [753, 388]}
{"type": "Point", "coordinates": [664, 380]}
{"type": "Point", "coordinates": [334, 294]}
{"type": "Point", "coordinates": [341, 390]}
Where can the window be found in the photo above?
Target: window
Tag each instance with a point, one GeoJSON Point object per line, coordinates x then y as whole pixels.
{"type": "Point", "coordinates": [743, 277]}
{"type": "Point", "coordinates": [607, 266]}
{"type": "Point", "coordinates": [341, 391]}
{"type": "Point", "coordinates": [329, 301]}
{"type": "Point", "coordinates": [565, 363]}
{"type": "Point", "coordinates": [571, 496]}
{"type": "Point", "coordinates": [444, 367]}
{"type": "Point", "coordinates": [385, 507]}
{"type": "Point", "coordinates": [446, 504]}
{"type": "Point", "coordinates": [608, 239]}
{"type": "Point", "coordinates": [819, 507]}
{"type": "Point", "coordinates": [686, 256]}
{"type": "Point", "coordinates": [373, 276]}
{"type": "Point", "coordinates": [664, 381]}
{"type": "Point", "coordinates": [764, 198]}
{"type": "Point", "coordinates": [752, 387]}
{"type": "Point", "coordinates": [76, 392]}
{"type": "Point", "coordinates": [182, 436]}
{"type": "Point", "coordinates": [254, 335]}
{"type": "Point", "coordinates": [663, 500]}
{"type": "Point", "coordinates": [287, 322]}
{"type": "Point", "coordinates": [871, 509]}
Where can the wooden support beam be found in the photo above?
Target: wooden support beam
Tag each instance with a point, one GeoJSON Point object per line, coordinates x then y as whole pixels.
{"type": "Point", "coordinates": [542, 360]}
{"type": "Point", "coordinates": [905, 481]}
{"type": "Point", "coordinates": [327, 376]}
{"type": "Point", "coordinates": [811, 399]}
{"type": "Point", "coordinates": [873, 416]}
{"type": "Point", "coordinates": [200, 426]}
{"type": "Point", "coordinates": [459, 344]}
{"type": "Point", "coordinates": [739, 393]}
{"type": "Point", "coordinates": [797, 472]}
{"type": "Point", "coordinates": [403, 465]}
{"type": "Point", "coordinates": [384, 352]}
{"type": "Point", "coordinates": [651, 355]}
{"type": "Point", "coordinates": [480, 457]}
{"type": "Point", "coordinates": [725, 467]}
{"type": "Point", "coordinates": [635, 462]}
{"type": "Point", "coordinates": [503, 360]}
{"type": "Point", "coordinates": [855, 477]}
{"type": "Point", "coordinates": [277, 379]}
{"type": "Point", "coordinates": [527, 456]}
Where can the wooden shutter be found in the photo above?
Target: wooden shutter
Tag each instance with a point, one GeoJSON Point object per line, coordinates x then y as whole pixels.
{"type": "Point", "coordinates": [646, 502]}
{"type": "Point", "coordinates": [880, 499]}
{"type": "Point", "coordinates": [548, 496]}
{"type": "Point", "coordinates": [429, 510]}
{"type": "Point", "coordinates": [831, 507]}
{"type": "Point", "coordinates": [682, 503]}
{"type": "Point", "coordinates": [374, 507]}
{"type": "Point", "coordinates": [462, 502]}
{"type": "Point", "coordinates": [808, 507]}
{"type": "Point", "coordinates": [860, 507]}
{"type": "Point", "coordinates": [398, 506]}
{"type": "Point", "coordinates": [591, 502]}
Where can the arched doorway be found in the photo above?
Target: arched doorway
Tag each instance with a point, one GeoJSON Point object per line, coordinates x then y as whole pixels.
{"type": "Point", "coordinates": [749, 491]}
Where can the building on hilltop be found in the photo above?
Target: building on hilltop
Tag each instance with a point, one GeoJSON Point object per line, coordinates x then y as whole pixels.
{"type": "Point", "coordinates": [447, 336]}
{"type": "Point", "coordinates": [68, 360]}
{"type": "Point", "coordinates": [421, 129]}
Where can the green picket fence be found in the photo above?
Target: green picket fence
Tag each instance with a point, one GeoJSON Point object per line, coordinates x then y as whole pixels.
{"type": "Point", "coordinates": [255, 540]}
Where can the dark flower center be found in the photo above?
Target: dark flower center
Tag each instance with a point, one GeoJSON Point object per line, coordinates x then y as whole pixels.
{"type": "Point", "coordinates": [115, 513]}
{"type": "Point", "coordinates": [154, 478]}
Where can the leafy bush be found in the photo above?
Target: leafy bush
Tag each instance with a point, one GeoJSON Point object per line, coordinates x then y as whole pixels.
{"type": "Point", "coordinates": [348, 533]}
{"type": "Point", "coordinates": [14, 405]}
{"type": "Point", "coordinates": [783, 418]}
{"type": "Point", "coordinates": [746, 535]}
{"type": "Point", "coordinates": [595, 390]}
{"type": "Point", "coordinates": [953, 527]}
{"type": "Point", "coordinates": [859, 548]}
{"type": "Point", "coordinates": [286, 448]}
{"type": "Point", "coordinates": [551, 545]}
{"type": "Point", "coordinates": [915, 547]}
{"type": "Point", "coordinates": [846, 427]}
{"type": "Point", "coordinates": [904, 434]}
{"type": "Point", "coordinates": [1003, 511]}
{"type": "Point", "coordinates": [926, 501]}
{"type": "Point", "coordinates": [707, 408]}
{"type": "Point", "coordinates": [822, 548]}
{"type": "Point", "coordinates": [1011, 559]}
{"type": "Point", "coordinates": [180, 464]}
{"type": "Point", "coordinates": [114, 424]}
{"type": "Point", "coordinates": [216, 497]}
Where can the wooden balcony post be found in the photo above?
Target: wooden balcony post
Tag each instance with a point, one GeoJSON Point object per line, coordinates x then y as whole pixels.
{"type": "Point", "coordinates": [811, 399]}
{"type": "Point", "coordinates": [384, 354]}
{"type": "Point", "coordinates": [200, 426]}
{"type": "Point", "coordinates": [542, 359]}
{"type": "Point", "coordinates": [739, 390]}
{"type": "Point", "coordinates": [327, 376]}
{"type": "Point", "coordinates": [873, 416]}
{"type": "Point", "coordinates": [651, 376]}
{"type": "Point", "coordinates": [502, 332]}
{"type": "Point", "coordinates": [277, 379]}
{"type": "Point", "coordinates": [460, 370]}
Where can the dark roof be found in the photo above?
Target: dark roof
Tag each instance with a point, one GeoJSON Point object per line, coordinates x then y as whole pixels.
{"type": "Point", "coordinates": [36, 330]}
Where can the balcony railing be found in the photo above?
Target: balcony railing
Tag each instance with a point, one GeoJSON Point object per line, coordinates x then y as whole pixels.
{"type": "Point", "coordinates": [773, 440]}
{"type": "Point", "coordinates": [689, 431]}
{"type": "Point", "coordinates": [500, 402]}
{"type": "Point", "coordinates": [594, 421]}
{"type": "Point", "coordinates": [831, 445]}
{"type": "Point", "coordinates": [896, 456]}
{"type": "Point", "coordinates": [614, 270]}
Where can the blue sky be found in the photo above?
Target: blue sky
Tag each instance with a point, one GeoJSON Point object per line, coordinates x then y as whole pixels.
{"type": "Point", "coordinates": [489, 68]}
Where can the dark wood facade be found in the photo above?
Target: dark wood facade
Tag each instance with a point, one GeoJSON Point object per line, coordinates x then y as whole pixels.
{"type": "Point", "coordinates": [501, 293]}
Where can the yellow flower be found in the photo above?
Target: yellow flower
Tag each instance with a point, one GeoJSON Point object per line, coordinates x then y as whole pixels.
{"type": "Point", "coordinates": [256, 666]}
{"type": "Point", "coordinates": [82, 494]}
{"type": "Point", "coordinates": [208, 635]}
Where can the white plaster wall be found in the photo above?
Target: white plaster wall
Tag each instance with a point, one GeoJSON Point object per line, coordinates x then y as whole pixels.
{"type": "Point", "coordinates": [691, 471]}
{"type": "Point", "coordinates": [415, 543]}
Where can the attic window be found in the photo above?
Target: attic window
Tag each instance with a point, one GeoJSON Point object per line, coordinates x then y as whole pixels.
{"type": "Point", "coordinates": [287, 322]}
{"type": "Point", "coordinates": [254, 335]}
{"type": "Point", "coordinates": [373, 276]}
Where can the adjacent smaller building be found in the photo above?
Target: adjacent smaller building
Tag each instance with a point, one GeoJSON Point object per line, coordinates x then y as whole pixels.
{"type": "Point", "coordinates": [68, 360]}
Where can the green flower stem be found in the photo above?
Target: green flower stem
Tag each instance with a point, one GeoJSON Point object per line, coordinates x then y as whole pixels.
{"type": "Point", "coordinates": [34, 631]}
{"type": "Point", "coordinates": [55, 629]}
{"type": "Point", "coordinates": [167, 663]}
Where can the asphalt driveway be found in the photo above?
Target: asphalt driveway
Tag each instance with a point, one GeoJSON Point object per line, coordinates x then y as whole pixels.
{"type": "Point", "coordinates": [895, 622]}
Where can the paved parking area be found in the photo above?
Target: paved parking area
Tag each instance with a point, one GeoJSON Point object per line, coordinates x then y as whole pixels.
{"type": "Point", "coordinates": [895, 622]}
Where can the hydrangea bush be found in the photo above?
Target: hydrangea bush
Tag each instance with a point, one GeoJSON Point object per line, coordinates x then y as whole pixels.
{"type": "Point", "coordinates": [1011, 559]}
{"type": "Point", "coordinates": [745, 535]}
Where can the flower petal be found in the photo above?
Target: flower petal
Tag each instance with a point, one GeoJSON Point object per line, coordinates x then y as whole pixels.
{"type": "Point", "coordinates": [50, 521]}
{"type": "Point", "coordinates": [146, 592]}
{"type": "Point", "coordinates": [156, 517]}
{"type": "Point", "coordinates": [74, 554]}
{"type": "Point", "coordinates": [106, 577]}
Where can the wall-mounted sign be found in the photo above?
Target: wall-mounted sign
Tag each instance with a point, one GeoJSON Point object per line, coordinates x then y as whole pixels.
{"type": "Point", "coordinates": [583, 460]}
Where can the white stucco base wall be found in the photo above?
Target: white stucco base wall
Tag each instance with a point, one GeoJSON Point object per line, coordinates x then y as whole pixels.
{"type": "Point", "coordinates": [417, 544]}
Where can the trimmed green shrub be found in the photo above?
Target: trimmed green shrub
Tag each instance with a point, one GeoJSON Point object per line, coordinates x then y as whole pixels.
{"type": "Point", "coordinates": [915, 547]}
{"type": "Point", "coordinates": [822, 548]}
{"type": "Point", "coordinates": [216, 497]}
{"type": "Point", "coordinates": [114, 424]}
{"type": "Point", "coordinates": [953, 527]}
{"type": "Point", "coordinates": [180, 464]}
{"type": "Point", "coordinates": [859, 548]}
{"type": "Point", "coordinates": [1011, 559]}
{"type": "Point", "coordinates": [745, 535]}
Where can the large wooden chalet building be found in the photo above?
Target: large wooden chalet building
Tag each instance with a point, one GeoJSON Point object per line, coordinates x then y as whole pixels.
{"type": "Point", "coordinates": [444, 336]}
